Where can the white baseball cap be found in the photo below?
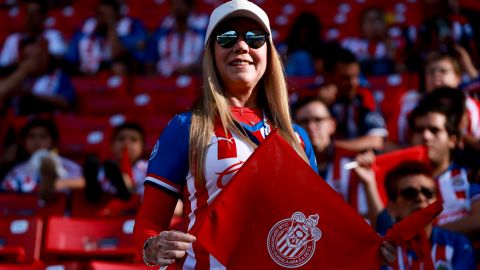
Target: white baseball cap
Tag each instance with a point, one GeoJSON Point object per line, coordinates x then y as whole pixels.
{"type": "Point", "coordinates": [238, 8]}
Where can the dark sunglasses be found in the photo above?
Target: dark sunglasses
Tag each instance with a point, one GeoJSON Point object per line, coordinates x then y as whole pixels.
{"type": "Point", "coordinates": [411, 193]}
{"type": "Point", "coordinates": [254, 38]}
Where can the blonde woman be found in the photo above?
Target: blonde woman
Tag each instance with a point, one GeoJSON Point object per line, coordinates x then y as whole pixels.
{"type": "Point", "coordinates": [244, 98]}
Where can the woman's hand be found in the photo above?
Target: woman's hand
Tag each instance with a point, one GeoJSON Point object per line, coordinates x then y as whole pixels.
{"type": "Point", "coordinates": [166, 247]}
{"type": "Point", "coordinates": [388, 253]}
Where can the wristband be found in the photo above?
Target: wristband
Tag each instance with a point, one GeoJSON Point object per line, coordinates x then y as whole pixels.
{"type": "Point", "coordinates": [145, 260]}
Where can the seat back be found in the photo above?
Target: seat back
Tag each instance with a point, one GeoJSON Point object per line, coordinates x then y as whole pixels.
{"type": "Point", "coordinates": [89, 238]}
{"type": "Point", "coordinates": [29, 205]}
{"type": "Point", "coordinates": [20, 239]}
{"type": "Point", "coordinates": [98, 265]}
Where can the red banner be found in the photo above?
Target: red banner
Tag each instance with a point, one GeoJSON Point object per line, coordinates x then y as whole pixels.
{"type": "Point", "coordinates": [278, 213]}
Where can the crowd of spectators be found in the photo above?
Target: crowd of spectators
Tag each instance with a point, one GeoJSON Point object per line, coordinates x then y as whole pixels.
{"type": "Point", "coordinates": [366, 77]}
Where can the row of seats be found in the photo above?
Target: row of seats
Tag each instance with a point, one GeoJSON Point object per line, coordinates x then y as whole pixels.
{"type": "Point", "coordinates": [66, 238]}
{"type": "Point", "coordinates": [29, 205]}
{"type": "Point", "coordinates": [339, 15]}
{"type": "Point", "coordinates": [37, 235]}
{"type": "Point", "coordinates": [152, 101]}
{"type": "Point", "coordinates": [94, 265]}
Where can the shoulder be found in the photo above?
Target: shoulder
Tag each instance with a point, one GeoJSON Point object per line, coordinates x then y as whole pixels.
{"type": "Point", "coordinates": [181, 121]}
{"type": "Point", "coordinates": [300, 131]}
{"type": "Point", "coordinates": [445, 237]}
{"type": "Point", "coordinates": [366, 98]}
{"type": "Point", "coordinates": [19, 171]}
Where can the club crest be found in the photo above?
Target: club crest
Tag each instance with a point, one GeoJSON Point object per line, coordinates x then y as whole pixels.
{"type": "Point", "coordinates": [291, 241]}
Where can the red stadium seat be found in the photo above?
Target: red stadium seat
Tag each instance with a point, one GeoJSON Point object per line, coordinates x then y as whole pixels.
{"type": "Point", "coordinates": [77, 143]}
{"type": "Point", "coordinates": [20, 239]}
{"type": "Point", "coordinates": [177, 84]}
{"type": "Point", "coordinates": [98, 265]}
{"type": "Point", "coordinates": [33, 266]}
{"type": "Point", "coordinates": [89, 239]}
{"type": "Point", "coordinates": [107, 206]}
{"type": "Point", "coordinates": [103, 83]}
{"type": "Point", "coordinates": [29, 205]}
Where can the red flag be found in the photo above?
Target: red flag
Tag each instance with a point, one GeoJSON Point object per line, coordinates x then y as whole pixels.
{"type": "Point", "coordinates": [386, 162]}
{"type": "Point", "coordinates": [250, 217]}
{"type": "Point", "coordinates": [383, 164]}
{"type": "Point", "coordinates": [406, 233]}
{"type": "Point", "coordinates": [277, 212]}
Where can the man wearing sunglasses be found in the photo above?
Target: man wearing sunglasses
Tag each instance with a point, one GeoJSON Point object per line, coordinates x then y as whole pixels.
{"type": "Point", "coordinates": [435, 123]}
{"type": "Point", "coordinates": [410, 187]}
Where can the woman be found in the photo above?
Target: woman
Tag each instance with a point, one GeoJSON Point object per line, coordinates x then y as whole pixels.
{"type": "Point", "coordinates": [244, 97]}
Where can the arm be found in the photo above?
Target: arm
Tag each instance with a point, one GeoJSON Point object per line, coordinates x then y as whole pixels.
{"type": "Point", "coordinates": [366, 175]}
{"type": "Point", "coordinates": [466, 62]}
{"type": "Point", "coordinates": [75, 183]}
{"type": "Point", "coordinates": [362, 143]}
{"type": "Point", "coordinates": [13, 82]}
{"type": "Point", "coordinates": [152, 224]}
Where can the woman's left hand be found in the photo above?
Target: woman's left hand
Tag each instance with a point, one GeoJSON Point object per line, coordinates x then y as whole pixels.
{"type": "Point", "coordinates": [388, 253]}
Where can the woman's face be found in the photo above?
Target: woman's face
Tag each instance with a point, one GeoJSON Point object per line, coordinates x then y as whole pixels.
{"type": "Point", "coordinates": [240, 67]}
{"type": "Point", "coordinates": [440, 74]}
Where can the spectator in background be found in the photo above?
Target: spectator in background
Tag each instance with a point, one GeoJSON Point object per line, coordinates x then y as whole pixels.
{"type": "Point", "coordinates": [374, 48]}
{"type": "Point", "coordinates": [313, 115]}
{"type": "Point", "coordinates": [36, 13]}
{"type": "Point", "coordinates": [305, 47]}
{"type": "Point", "coordinates": [124, 173]}
{"type": "Point", "coordinates": [177, 44]}
{"type": "Point", "coordinates": [359, 125]}
{"type": "Point", "coordinates": [37, 85]}
{"type": "Point", "coordinates": [410, 187]}
{"type": "Point", "coordinates": [45, 172]}
{"type": "Point", "coordinates": [435, 123]}
{"type": "Point", "coordinates": [108, 38]}
{"type": "Point", "coordinates": [442, 70]}
{"type": "Point", "coordinates": [442, 27]}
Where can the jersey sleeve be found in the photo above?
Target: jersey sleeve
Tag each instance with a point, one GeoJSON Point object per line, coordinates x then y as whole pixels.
{"type": "Point", "coordinates": [307, 146]}
{"type": "Point", "coordinates": [168, 164]}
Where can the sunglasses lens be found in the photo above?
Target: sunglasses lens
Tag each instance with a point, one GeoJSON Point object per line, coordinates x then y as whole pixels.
{"type": "Point", "coordinates": [255, 40]}
{"type": "Point", "coordinates": [227, 39]}
{"type": "Point", "coordinates": [409, 193]}
{"type": "Point", "coordinates": [427, 193]}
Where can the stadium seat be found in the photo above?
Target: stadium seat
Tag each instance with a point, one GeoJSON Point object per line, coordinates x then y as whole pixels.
{"type": "Point", "coordinates": [29, 205]}
{"type": "Point", "coordinates": [102, 83]}
{"type": "Point", "coordinates": [20, 239]}
{"type": "Point", "coordinates": [78, 145]}
{"type": "Point", "coordinates": [107, 206]}
{"type": "Point", "coordinates": [148, 84]}
{"type": "Point", "coordinates": [98, 265]}
{"type": "Point", "coordinates": [33, 266]}
{"type": "Point", "coordinates": [70, 239]}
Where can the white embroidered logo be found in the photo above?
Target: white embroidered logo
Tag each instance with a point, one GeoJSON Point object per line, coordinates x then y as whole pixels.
{"type": "Point", "coordinates": [291, 241]}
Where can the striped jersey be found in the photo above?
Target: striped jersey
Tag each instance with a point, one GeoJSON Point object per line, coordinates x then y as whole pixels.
{"type": "Point", "coordinates": [168, 170]}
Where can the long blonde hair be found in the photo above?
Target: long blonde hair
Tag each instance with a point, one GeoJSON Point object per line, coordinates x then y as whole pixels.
{"type": "Point", "coordinates": [213, 105]}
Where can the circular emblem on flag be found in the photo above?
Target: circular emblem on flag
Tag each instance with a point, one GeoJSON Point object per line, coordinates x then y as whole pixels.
{"type": "Point", "coordinates": [291, 241]}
